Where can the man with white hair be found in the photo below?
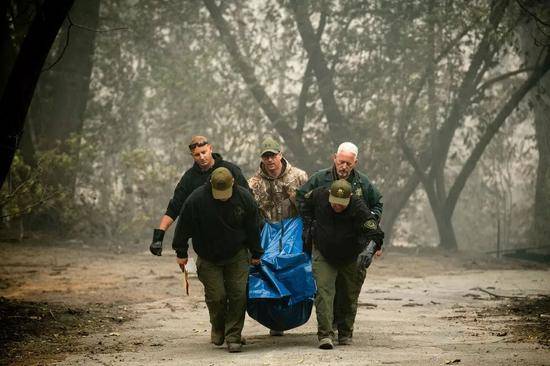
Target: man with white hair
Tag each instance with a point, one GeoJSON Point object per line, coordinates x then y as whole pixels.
{"type": "Point", "coordinates": [345, 161]}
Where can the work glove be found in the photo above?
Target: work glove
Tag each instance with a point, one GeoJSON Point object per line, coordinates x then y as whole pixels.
{"type": "Point", "coordinates": [156, 245]}
{"type": "Point", "coordinates": [364, 259]}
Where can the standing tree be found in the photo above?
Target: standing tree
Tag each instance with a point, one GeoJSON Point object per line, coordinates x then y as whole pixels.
{"type": "Point", "coordinates": [19, 89]}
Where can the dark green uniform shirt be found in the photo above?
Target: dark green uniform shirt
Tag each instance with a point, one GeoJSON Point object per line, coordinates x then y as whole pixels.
{"type": "Point", "coordinates": [360, 187]}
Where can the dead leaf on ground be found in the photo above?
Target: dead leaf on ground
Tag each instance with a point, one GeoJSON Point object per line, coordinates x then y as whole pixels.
{"type": "Point", "coordinates": [451, 362]}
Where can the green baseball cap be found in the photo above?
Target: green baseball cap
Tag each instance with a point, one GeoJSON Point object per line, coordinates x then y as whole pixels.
{"type": "Point", "coordinates": [340, 192]}
{"type": "Point", "coordinates": [270, 145]}
{"type": "Point", "coordinates": [222, 183]}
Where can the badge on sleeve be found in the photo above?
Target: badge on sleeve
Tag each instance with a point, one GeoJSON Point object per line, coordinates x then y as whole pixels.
{"type": "Point", "coordinates": [370, 224]}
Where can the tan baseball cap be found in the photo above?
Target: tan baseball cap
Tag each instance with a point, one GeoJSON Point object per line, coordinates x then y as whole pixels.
{"type": "Point", "coordinates": [270, 145]}
{"type": "Point", "coordinates": [340, 192]}
{"type": "Point", "coordinates": [222, 183]}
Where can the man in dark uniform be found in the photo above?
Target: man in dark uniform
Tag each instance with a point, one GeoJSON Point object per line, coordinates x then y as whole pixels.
{"type": "Point", "coordinates": [205, 161]}
{"type": "Point", "coordinates": [345, 161]}
{"type": "Point", "coordinates": [346, 236]}
{"type": "Point", "coordinates": [222, 219]}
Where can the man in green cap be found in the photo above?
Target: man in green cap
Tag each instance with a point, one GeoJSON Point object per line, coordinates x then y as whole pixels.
{"type": "Point", "coordinates": [274, 186]}
{"type": "Point", "coordinates": [346, 236]}
{"type": "Point", "coordinates": [222, 218]}
{"type": "Point", "coordinates": [344, 167]}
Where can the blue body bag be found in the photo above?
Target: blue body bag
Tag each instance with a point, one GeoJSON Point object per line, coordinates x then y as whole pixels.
{"type": "Point", "coordinates": [281, 289]}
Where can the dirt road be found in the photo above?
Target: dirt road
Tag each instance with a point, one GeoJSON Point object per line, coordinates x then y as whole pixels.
{"type": "Point", "coordinates": [80, 305]}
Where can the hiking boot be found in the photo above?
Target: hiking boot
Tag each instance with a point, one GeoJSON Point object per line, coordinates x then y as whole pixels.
{"type": "Point", "coordinates": [345, 341]}
{"type": "Point", "coordinates": [276, 333]}
{"type": "Point", "coordinates": [234, 347]}
{"type": "Point", "coordinates": [326, 343]}
{"type": "Point", "coordinates": [217, 337]}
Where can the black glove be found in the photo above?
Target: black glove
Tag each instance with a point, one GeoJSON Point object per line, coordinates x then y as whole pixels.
{"type": "Point", "coordinates": [364, 258]}
{"type": "Point", "coordinates": [156, 245]}
{"type": "Point", "coordinates": [376, 236]}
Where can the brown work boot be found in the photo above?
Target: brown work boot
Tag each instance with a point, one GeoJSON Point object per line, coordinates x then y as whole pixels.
{"type": "Point", "coordinates": [217, 336]}
{"type": "Point", "coordinates": [345, 341]}
{"type": "Point", "coordinates": [326, 343]}
{"type": "Point", "coordinates": [234, 347]}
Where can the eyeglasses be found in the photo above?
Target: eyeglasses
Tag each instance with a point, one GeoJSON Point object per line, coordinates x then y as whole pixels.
{"type": "Point", "coordinates": [197, 144]}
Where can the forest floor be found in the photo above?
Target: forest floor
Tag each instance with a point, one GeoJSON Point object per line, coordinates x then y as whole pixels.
{"type": "Point", "coordinates": [76, 304]}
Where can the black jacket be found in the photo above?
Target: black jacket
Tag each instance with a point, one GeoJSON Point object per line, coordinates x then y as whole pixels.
{"type": "Point", "coordinates": [194, 177]}
{"type": "Point", "coordinates": [219, 228]}
{"type": "Point", "coordinates": [340, 237]}
{"type": "Point", "coordinates": [360, 185]}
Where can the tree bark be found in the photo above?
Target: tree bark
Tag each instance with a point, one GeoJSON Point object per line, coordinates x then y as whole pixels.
{"type": "Point", "coordinates": [279, 121]}
{"type": "Point", "coordinates": [542, 189]}
{"type": "Point", "coordinates": [7, 48]}
{"type": "Point", "coordinates": [69, 79]}
{"type": "Point", "coordinates": [338, 124]}
{"type": "Point", "coordinates": [19, 89]}
{"type": "Point", "coordinates": [492, 129]}
{"type": "Point", "coordinates": [57, 110]}
{"type": "Point", "coordinates": [445, 229]}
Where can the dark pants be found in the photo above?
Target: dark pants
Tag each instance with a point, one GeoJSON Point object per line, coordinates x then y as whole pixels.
{"type": "Point", "coordinates": [225, 293]}
{"type": "Point", "coordinates": [343, 282]}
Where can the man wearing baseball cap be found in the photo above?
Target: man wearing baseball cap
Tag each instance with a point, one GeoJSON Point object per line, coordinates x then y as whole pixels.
{"type": "Point", "coordinates": [274, 186]}
{"type": "Point", "coordinates": [344, 166]}
{"type": "Point", "coordinates": [346, 236]}
{"type": "Point", "coordinates": [222, 219]}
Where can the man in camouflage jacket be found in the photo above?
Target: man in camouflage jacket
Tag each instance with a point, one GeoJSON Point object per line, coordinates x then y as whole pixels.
{"type": "Point", "coordinates": [274, 187]}
{"type": "Point", "coordinates": [275, 183]}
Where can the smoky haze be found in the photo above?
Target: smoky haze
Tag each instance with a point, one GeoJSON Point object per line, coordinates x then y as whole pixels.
{"type": "Point", "coordinates": [445, 100]}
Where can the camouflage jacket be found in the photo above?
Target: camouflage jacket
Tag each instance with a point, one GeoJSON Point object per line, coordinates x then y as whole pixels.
{"type": "Point", "coordinates": [276, 196]}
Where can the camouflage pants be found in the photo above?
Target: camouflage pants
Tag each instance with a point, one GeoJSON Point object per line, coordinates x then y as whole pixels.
{"type": "Point", "coordinates": [225, 293]}
{"type": "Point", "coordinates": [343, 282]}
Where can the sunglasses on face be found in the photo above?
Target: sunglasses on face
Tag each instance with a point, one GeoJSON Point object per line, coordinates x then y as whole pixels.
{"type": "Point", "coordinates": [197, 144]}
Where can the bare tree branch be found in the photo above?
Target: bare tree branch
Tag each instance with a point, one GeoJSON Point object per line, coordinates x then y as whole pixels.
{"type": "Point", "coordinates": [502, 77]}
{"type": "Point", "coordinates": [532, 14]}
{"type": "Point", "coordinates": [338, 124]}
{"type": "Point", "coordinates": [306, 83]}
{"type": "Point", "coordinates": [241, 65]}
{"type": "Point", "coordinates": [492, 129]}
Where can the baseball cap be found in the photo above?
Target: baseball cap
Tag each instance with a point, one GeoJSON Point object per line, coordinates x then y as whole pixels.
{"type": "Point", "coordinates": [270, 145]}
{"type": "Point", "coordinates": [340, 192]}
{"type": "Point", "coordinates": [222, 183]}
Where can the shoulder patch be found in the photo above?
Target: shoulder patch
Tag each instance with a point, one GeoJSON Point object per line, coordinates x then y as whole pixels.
{"type": "Point", "coordinates": [370, 224]}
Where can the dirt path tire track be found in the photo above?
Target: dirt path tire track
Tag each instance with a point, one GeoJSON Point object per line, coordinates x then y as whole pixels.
{"type": "Point", "coordinates": [427, 311]}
